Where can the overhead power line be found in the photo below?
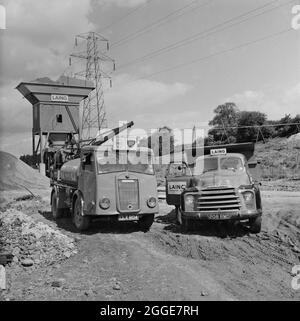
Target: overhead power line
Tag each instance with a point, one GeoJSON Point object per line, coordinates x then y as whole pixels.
{"type": "Point", "coordinates": [173, 15]}
{"type": "Point", "coordinates": [205, 33]}
{"type": "Point", "coordinates": [126, 15]}
{"type": "Point", "coordinates": [243, 45]}
{"type": "Point", "coordinates": [93, 115]}
{"type": "Point", "coordinates": [254, 126]}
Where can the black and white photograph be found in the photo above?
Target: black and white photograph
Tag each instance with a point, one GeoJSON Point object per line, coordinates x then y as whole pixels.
{"type": "Point", "coordinates": [149, 151]}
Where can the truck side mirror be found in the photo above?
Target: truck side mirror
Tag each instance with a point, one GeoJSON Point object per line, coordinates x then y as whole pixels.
{"type": "Point", "coordinates": [252, 164]}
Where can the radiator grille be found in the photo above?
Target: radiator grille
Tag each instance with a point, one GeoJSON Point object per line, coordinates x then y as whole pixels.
{"type": "Point", "coordinates": [128, 194]}
{"type": "Point", "coordinates": [215, 199]}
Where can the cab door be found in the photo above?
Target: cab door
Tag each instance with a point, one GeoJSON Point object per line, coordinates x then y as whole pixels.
{"type": "Point", "coordinates": [87, 182]}
{"type": "Point", "coordinates": [178, 178]}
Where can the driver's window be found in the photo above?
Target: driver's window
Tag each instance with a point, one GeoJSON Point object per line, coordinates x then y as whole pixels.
{"type": "Point", "coordinates": [88, 162]}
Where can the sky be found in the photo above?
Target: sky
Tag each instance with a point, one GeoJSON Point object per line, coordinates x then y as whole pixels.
{"type": "Point", "coordinates": [254, 61]}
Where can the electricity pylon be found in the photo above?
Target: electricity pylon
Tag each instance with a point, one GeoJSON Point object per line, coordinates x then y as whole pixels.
{"type": "Point", "coordinates": [93, 115]}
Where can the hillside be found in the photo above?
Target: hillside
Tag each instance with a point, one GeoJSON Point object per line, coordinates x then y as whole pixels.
{"type": "Point", "coordinates": [280, 158]}
{"type": "Point", "coordinates": [15, 174]}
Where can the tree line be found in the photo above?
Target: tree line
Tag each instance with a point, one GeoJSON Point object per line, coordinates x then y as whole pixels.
{"type": "Point", "coordinates": [231, 125]}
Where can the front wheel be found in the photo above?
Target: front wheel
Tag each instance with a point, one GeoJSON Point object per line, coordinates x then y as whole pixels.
{"type": "Point", "coordinates": [145, 222]}
{"type": "Point", "coordinates": [80, 221]}
{"type": "Point", "coordinates": [255, 224]}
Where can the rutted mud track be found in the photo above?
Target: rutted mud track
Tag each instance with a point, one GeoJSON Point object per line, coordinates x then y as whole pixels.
{"type": "Point", "coordinates": [122, 263]}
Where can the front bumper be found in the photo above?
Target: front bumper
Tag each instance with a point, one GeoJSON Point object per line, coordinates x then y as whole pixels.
{"type": "Point", "coordinates": [221, 215]}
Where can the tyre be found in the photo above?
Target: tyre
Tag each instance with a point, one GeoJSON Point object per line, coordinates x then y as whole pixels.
{"type": "Point", "coordinates": [255, 224]}
{"type": "Point", "coordinates": [80, 221]}
{"type": "Point", "coordinates": [145, 222]}
{"type": "Point", "coordinates": [56, 212]}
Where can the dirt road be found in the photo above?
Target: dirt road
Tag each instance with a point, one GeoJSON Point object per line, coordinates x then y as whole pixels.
{"type": "Point", "coordinates": [122, 263]}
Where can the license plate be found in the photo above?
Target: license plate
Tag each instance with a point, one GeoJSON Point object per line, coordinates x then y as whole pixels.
{"type": "Point", "coordinates": [128, 218]}
{"type": "Point", "coordinates": [224, 216]}
{"type": "Point", "coordinates": [220, 216]}
{"type": "Point", "coordinates": [213, 216]}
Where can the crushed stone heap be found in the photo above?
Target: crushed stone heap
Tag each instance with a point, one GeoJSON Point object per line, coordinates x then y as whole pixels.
{"type": "Point", "coordinates": [32, 242]}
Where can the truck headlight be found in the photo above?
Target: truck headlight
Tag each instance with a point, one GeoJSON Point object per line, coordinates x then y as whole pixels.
{"type": "Point", "coordinates": [151, 202]}
{"type": "Point", "coordinates": [104, 203]}
{"type": "Point", "coordinates": [249, 199]}
{"type": "Point", "coordinates": [189, 203]}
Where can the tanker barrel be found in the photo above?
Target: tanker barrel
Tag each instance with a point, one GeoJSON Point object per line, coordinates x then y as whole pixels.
{"type": "Point", "coordinates": [114, 132]}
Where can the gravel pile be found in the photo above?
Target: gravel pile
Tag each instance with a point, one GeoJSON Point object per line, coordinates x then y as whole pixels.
{"type": "Point", "coordinates": [16, 175]}
{"type": "Point", "coordinates": [32, 242]}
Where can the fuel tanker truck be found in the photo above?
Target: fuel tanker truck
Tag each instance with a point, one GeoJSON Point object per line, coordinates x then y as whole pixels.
{"type": "Point", "coordinates": [220, 185]}
{"type": "Point", "coordinates": [105, 182]}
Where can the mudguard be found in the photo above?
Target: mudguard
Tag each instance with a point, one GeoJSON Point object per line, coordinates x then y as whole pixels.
{"type": "Point", "coordinates": [61, 195]}
{"type": "Point", "coordinates": [75, 195]}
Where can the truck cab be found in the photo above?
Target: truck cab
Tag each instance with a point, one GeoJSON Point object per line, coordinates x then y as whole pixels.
{"type": "Point", "coordinates": [224, 186]}
{"type": "Point", "coordinates": [107, 184]}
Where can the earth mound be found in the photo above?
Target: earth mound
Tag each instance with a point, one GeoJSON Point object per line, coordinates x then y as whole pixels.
{"type": "Point", "coordinates": [16, 175]}
{"type": "Point", "coordinates": [294, 139]}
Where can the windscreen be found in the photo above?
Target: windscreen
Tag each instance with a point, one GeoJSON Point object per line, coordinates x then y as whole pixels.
{"type": "Point", "coordinates": [119, 161]}
{"type": "Point", "coordinates": [207, 164]}
{"type": "Point", "coordinates": [231, 163]}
